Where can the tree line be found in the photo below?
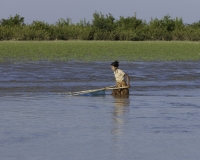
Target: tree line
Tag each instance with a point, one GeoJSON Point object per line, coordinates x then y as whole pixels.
{"type": "Point", "coordinates": [102, 27]}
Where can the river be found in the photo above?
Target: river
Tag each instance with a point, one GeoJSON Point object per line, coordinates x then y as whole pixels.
{"type": "Point", "coordinates": [160, 120]}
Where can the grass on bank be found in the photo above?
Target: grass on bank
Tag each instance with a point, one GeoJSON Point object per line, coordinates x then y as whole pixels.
{"type": "Point", "coordinates": [99, 51]}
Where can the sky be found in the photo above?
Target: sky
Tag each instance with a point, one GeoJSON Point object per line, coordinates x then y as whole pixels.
{"type": "Point", "coordinates": [51, 10]}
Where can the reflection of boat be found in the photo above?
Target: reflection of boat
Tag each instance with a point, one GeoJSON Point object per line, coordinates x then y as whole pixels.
{"type": "Point", "coordinates": [93, 92]}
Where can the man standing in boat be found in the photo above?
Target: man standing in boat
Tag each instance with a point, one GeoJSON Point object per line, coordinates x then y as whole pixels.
{"type": "Point", "coordinates": [120, 80]}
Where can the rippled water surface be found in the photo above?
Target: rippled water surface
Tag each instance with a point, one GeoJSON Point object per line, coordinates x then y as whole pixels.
{"type": "Point", "coordinates": [160, 120]}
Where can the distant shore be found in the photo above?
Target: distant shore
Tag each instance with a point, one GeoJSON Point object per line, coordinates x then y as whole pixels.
{"type": "Point", "coordinates": [16, 51]}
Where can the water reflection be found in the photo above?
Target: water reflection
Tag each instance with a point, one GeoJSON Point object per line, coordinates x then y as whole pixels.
{"type": "Point", "coordinates": [121, 106]}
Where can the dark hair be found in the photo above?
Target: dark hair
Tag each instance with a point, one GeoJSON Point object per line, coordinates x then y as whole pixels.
{"type": "Point", "coordinates": [115, 64]}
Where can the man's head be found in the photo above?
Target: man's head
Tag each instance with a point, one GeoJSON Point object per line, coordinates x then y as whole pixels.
{"type": "Point", "coordinates": [114, 65]}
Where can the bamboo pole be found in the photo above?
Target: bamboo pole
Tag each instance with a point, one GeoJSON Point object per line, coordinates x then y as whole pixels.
{"type": "Point", "coordinates": [95, 90]}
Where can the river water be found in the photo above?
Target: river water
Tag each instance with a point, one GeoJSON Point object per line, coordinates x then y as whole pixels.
{"type": "Point", "coordinates": [160, 120]}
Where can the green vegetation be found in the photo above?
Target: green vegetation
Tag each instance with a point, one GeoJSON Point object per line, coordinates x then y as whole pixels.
{"type": "Point", "coordinates": [99, 51]}
{"type": "Point", "coordinates": [102, 27]}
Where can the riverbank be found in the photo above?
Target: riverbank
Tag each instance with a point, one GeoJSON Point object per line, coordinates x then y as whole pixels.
{"type": "Point", "coordinates": [99, 51]}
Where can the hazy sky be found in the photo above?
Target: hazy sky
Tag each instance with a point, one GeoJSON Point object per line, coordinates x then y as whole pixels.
{"type": "Point", "coordinates": [51, 10]}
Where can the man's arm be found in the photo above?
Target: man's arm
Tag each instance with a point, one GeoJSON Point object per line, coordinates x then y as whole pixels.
{"type": "Point", "coordinates": [127, 80]}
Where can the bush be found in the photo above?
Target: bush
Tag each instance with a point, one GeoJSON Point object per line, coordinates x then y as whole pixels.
{"type": "Point", "coordinates": [103, 27]}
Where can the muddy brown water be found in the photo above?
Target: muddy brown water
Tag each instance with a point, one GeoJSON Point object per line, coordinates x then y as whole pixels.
{"type": "Point", "coordinates": [159, 120]}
